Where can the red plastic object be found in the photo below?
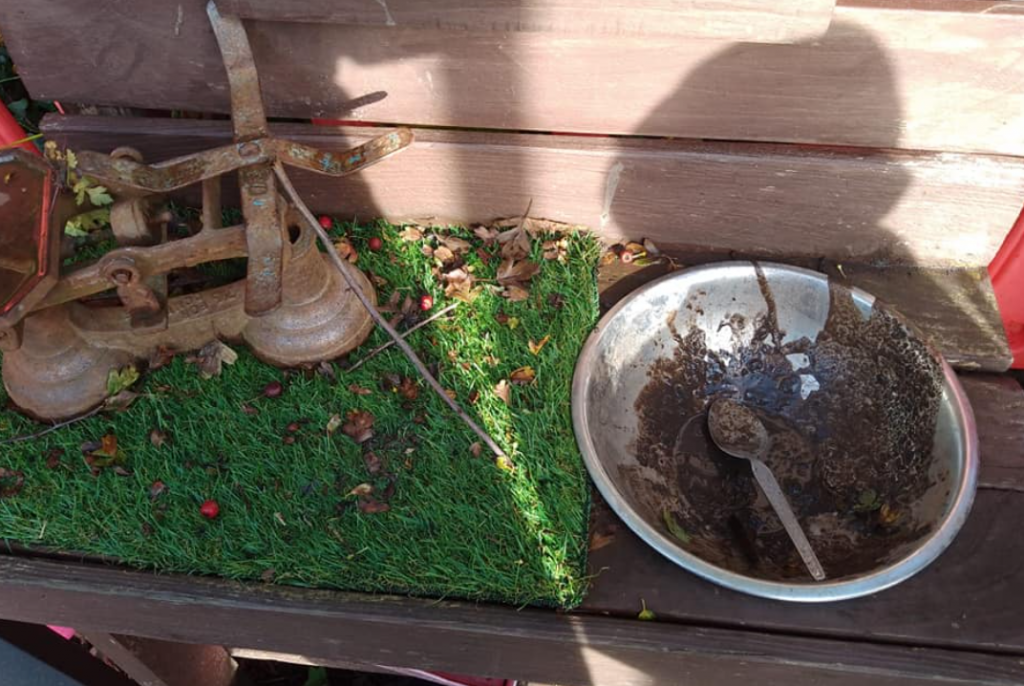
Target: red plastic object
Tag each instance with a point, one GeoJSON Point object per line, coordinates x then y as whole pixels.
{"type": "Point", "coordinates": [1007, 274]}
{"type": "Point", "coordinates": [11, 131]}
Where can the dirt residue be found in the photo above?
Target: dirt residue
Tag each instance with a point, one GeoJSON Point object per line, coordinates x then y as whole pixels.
{"type": "Point", "coordinates": [852, 454]}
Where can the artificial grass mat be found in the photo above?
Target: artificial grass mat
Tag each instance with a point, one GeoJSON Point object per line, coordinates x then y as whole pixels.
{"type": "Point", "coordinates": [459, 525]}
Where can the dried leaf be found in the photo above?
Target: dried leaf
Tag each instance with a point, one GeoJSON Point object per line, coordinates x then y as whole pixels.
{"type": "Point", "coordinates": [488, 235]}
{"type": "Point", "coordinates": [372, 462]}
{"type": "Point", "coordinates": [333, 424]}
{"type": "Point", "coordinates": [476, 449]}
{"type": "Point", "coordinates": [53, 457]}
{"type": "Point", "coordinates": [451, 393]}
{"type": "Point", "coordinates": [249, 409]}
{"type": "Point", "coordinates": [599, 540]}
{"type": "Point", "coordinates": [516, 272]}
{"type": "Point", "coordinates": [120, 471]}
{"type": "Point", "coordinates": [409, 388]}
{"type": "Point", "coordinates": [158, 438]}
{"type": "Point", "coordinates": [503, 391]}
{"type": "Point", "coordinates": [326, 370]}
{"type": "Point", "coordinates": [11, 482]}
{"type": "Point", "coordinates": [362, 489]}
{"type": "Point", "coordinates": [210, 358]}
{"type": "Point", "coordinates": [535, 348]}
{"type": "Point", "coordinates": [161, 357]}
{"type": "Point", "coordinates": [108, 444]}
{"type": "Point", "coordinates": [369, 505]}
{"type": "Point", "coordinates": [556, 250]}
{"type": "Point", "coordinates": [268, 575]}
{"type": "Point", "coordinates": [444, 254]}
{"type": "Point", "coordinates": [426, 250]}
{"type": "Point", "coordinates": [474, 396]}
{"type": "Point", "coordinates": [556, 300]}
{"type": "Point", "coordinates": [121, 380]}
{"type": "Point", "coordinates": [359, 426]}
{"type": "Point", "coordinates": [455, 244]}
{"type": "Point", "coordinates": [491, 360]}
{"type": "Point", "coordinates": [157, 489]}
{"type": "Point", "coordinates": [411, 233]}
{"type": "Point", "coordinates": [512, 323]}
{"type": "Point", "coordinates": [121, 401]}
{"type": "Point", "coordinates": [359, 390]}
{"type": "Point", "coordinates": [523, 376]}
{"type": "Point", "coordinates": [515, 294]}
{"type": "Point", "coordinates": [515, 243]}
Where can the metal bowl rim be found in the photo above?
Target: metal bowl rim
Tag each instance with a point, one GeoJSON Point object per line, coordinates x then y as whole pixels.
{"type": "Point", "coordinates": [847, 588]}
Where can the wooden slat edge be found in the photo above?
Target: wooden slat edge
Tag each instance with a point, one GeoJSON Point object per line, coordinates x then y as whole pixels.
{"type": "Point", "coordinates": [534, 644]}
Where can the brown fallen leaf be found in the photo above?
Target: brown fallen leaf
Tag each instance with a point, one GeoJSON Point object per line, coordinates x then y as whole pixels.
{"type": "Point", "coordinates": [372, 462]}
{"type": "Point", "coordinates": [121, 401]}
{"type": "Point", "coordinates": [476, 449]}
{"type": "Point", "coordinates": [121, 471]}
{"type": "Point", "coordinates": [346, 250]}
{"type": "Point", "coordinates": [503, 391]}
{"type": "Point", "coordinates": [359, 390]}
{"type": "Point", "coordinates": [211, 357]}
{"type": "Point", "coordinates": [599, 540]}
{"type": "Point", "coordinates": [426, 250]}
{"type": "Point", "coordinates": [515, 243]}
{"type": "Point", "coordinates": [515, 293]}
{"type": "Point", "coordinates": [359, 426]}
{"type": "Point", "coordinates": [409, 388]}
{"type": "Point", "coordinates": [158, 438]}
{"type": "Point", "coordinates": [411, 233]}
{"type": "Point", "coordinates": [326, 370]}
{"type": "Point", "coordinates": [11, 482]}
{"type": "Point", "coordinates": [556, 250]}
{"type": "Point", "coordinates": [488, 235]}
{"type": "Point", "coordinates": [491, 360]}
{"type": "Point", "coordinates": [523, 376]}
{"type": "Point", "coordinates": [556, 300]}
{"type": "Point", "coordinates": [444, 254]}
{"type": "Point", "coordinates": [157, 489]}
{"type": "Point", "coordinates": [391, 305]}
{"type": "Point", "coordinates": [249, 409]}
{"type": "Point", "coordinates": [370, 505]}
{"type": "Point", "coordinates": [333, 424]}
{"type": "Point", "coordinates": [362, 489]}
{"type": "Point", "coordinates": [516, 272]}
{"type": "Point", "coordinates": [455, 244]}
{"type": "Point", "coordinates": [535, 348]}
{"type": "Point", "coordinates": [451, 393]}
{"type": "Point", "coordinates": [474, 396]}
{"type": "Point", "coordinates": [53, 457]}
{"type": "Point", "coordinates": [161, 357]}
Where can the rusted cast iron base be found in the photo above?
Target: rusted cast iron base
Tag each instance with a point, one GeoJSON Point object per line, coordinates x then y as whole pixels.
{"type": "Point", "coordinates": [67, 351]}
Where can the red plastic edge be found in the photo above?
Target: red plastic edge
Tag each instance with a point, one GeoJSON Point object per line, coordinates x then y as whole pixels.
{"type": "Point", "coordinates": [1007, 274]}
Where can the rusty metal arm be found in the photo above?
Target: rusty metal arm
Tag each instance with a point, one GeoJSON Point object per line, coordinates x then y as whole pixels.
{"type": "Point", "coordinates": [206, 246]}
{"type": "Point", "coordinates": [125, 173]}
{"type": "Point", "coordinates": [346, 162]}
{"type": "Point", "coordinates": [246, 102]}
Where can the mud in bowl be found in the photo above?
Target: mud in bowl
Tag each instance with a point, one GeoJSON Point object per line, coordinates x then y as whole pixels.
{"type": "Point", "coordinates": [872, 438]}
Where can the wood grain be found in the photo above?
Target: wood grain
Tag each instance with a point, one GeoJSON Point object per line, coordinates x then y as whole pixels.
{"type": "Point", "coordinates": [529, 644]}
{"type": "Point", "coordinates": [963, 599]}
{"type": "Point", "coordinates": [771, 200]}
{"type": "Point", "coordinates": [782, 21]}
{"type": "Point", "coordinates": [903, 74]}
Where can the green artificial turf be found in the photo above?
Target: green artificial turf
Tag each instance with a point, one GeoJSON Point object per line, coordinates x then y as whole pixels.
{"type": "Point", "coordinates": [459, 525]}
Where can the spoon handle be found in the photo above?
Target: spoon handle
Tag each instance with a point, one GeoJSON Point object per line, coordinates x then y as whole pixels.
{"type": "Point", "coordinates": [778, 501]}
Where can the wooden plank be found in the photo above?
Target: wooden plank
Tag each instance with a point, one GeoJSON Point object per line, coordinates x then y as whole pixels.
{"type": "Point", "coordinates": [476, 639]}
{"type": "Point", "coordinates": [963, 599]}
{"type": "Point", "coordinates": [771, 200]}
{"type": "Point", "coordinates": [783, 21]}
{"type": "Point", "coordinates": [904, 74]}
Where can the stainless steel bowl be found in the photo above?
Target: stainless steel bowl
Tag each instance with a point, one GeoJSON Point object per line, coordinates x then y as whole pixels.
{"type": "Point", "coordinates": [616, 365]}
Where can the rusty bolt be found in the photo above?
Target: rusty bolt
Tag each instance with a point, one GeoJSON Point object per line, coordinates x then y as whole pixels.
{"type": "Point", "coordinates": [249, 149]}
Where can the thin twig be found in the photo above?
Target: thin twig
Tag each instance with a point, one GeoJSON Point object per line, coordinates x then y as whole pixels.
{"type": "Point", "coordinates": [377, 317]}
{"type": "Point", "coordinates": [58, 425]}
{"type": "Point", "coordinates": [381, 348]}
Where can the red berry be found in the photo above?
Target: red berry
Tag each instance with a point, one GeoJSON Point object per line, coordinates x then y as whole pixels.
{"type": "Point", "coordinates": [326, 221]}
{"type": "Point", "coordinates": [274, 389]}
{"type": "Point", "coordinates": [209, 509]}
{"type": "Point", "coordinates": [375, 244]}
{"type": "Point", "coordinates": [426, 302]}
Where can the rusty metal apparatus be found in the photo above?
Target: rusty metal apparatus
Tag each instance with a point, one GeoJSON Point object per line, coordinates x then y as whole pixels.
{"type": "Point", "coordinates": [292, 308]}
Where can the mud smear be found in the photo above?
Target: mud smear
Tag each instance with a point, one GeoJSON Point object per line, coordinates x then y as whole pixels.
{"type": "Point", "coordinates": [852, 455]}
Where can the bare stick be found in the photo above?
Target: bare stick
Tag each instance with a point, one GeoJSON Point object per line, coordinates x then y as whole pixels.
{"type": "Point", "coordinates": [381, 348]}
{"type": "Point", "coordinates": [49, 429]}
{"type": "Point", "coordinates": [377, 317]}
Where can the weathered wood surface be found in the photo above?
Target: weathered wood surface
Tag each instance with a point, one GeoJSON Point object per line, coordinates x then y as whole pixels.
{"type": "Point", "coordinates": [151, 662]}
{"type": "Point", "coordinates": [922, 209]}
{"type": "Point", "coordinates": [783, 21]}
{"type": "Point", "coordinates": [966, 598]}
{"type": "Point", "coordinates": [532, 644]}
{"type": "Point", "coordinates": [904, 74]}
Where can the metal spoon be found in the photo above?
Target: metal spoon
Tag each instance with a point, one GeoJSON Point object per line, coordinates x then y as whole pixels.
{"type": "Point", "coordinates": [738, 432]}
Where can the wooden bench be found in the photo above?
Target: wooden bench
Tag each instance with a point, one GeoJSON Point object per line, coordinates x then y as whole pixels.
{"type": "Point", "coordinates": [887, 150]}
